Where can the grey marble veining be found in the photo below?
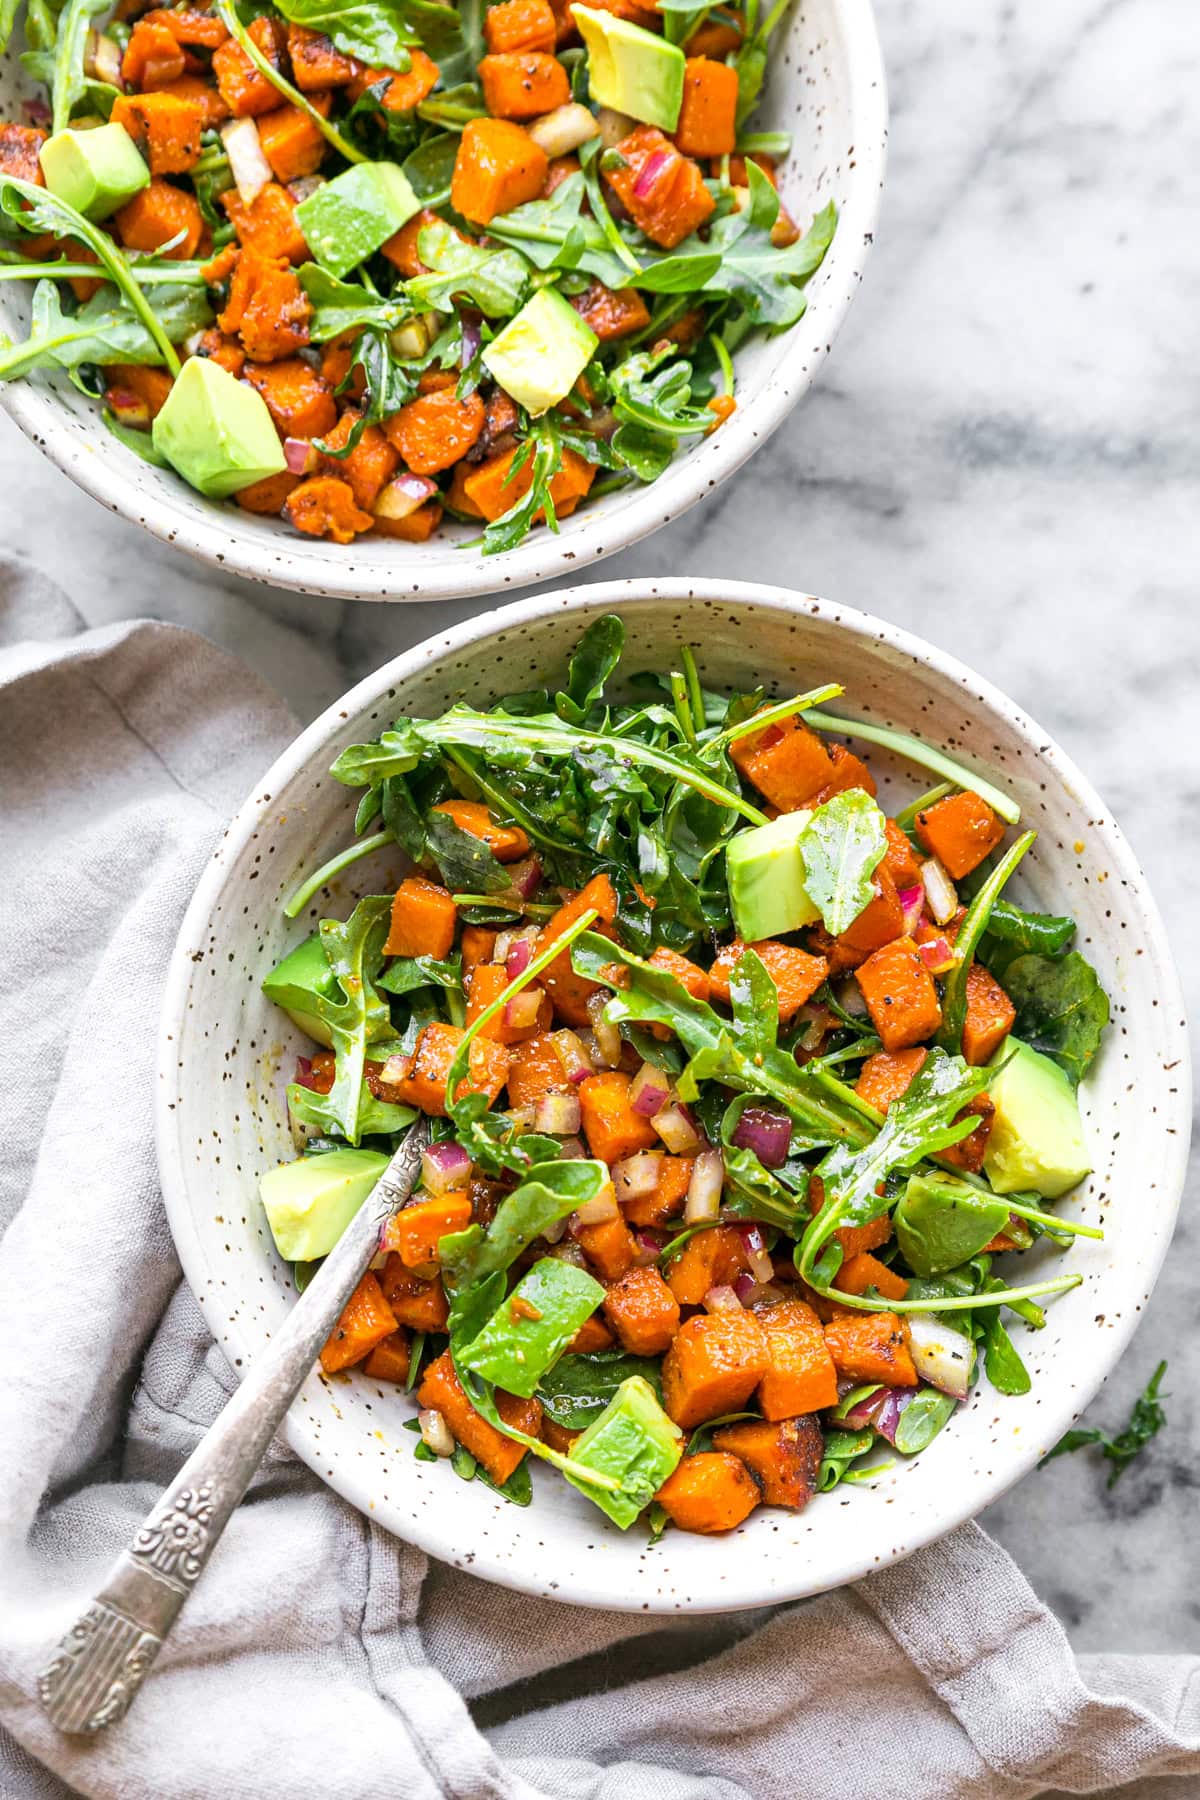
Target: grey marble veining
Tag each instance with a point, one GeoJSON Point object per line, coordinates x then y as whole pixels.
{"type": "Point", "coordinates": [1002, 455]}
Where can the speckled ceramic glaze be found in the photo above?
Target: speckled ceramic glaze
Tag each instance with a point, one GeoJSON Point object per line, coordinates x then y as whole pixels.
{"type": "Point", "coordinates": [826, 88]}
{"type": "Point", "coordinates": [227, 1054]}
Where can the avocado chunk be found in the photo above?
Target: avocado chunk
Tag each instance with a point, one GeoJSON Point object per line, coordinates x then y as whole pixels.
{"type": "Point", "coordinates": [216, 432]}
{"type": "Point", "coordinates": [1036, 1141]}
{"type": "Point", "coordinates": [347, 219]}
{"type": "Point", "coordinates": [93, 171]}
{"type": "Point", "coordinates": [542, 352]}
{"type": "Point", "coordinates": [630, 69]}
{"type": "Point", "coordinates": [310, 1203]}
{"type": "Point", "coordinates": [941, 1224]}
{"type": "Point", "coordinates": [633, 1440]}
{"type": "Point", "coordinates": [299, 981]}
{"type": "Point", "coordinates": [529, 1331]}
{"type": "Point", "coordinates": [765, 872]}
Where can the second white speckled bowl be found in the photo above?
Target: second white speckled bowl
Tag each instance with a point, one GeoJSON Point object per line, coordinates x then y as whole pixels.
{"type": "Point", "coordinates": [226, 1054]}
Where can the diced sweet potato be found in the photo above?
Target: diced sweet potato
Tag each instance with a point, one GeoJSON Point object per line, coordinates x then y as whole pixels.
{"type": "Point", "coordinates": [300, 403]}
{"type": "Point", "coordinates": [433, 431]}
{"type": "Point", "coordinates": [485, 985]}
{"type": "Point", "coordinates": [612, 1128]}
{"type": "Point", "coordinates": [441, 1391]}
{"type": "Point", "coordinates": [152, 56]}
{"type": "Point", "coordinates": [416, 1230]}
{"type": "Point", "coordinates": [338, 366]}
{"type": "Point", "coordinates": [960, 831]}
{"type": "Point", "coordinates": [557, 1436]}
{"type": "Point", "coordinates": [796, 974]}
{"type": "Point", "coordinates": [688, 974]}
{"type": "Point", "coordinates": [871, 1347]}
{"type": "Point", "coordinates": [268, 225]}
{"type": "Point", "coordinates": [535, 1070]}
{"type": "Point", "coordinates": [423, 920]}
{"type": "Point", "coordinates": [156, 215]}
{"type": "Point", "coordinates": [267, 307]}
{"type": "Point", "coordinates": [316, 62]}
{"type": "Point", "coordinates": [20, 149]}
{"type": "Point", "coordinates": [389, 1360]}
{"type": "Point", "coordinates": [714, 1364]}
{"type": "Point", "coordinates": [787, 763]}
{"type": "Point", "coordinates": [419, 1304]}
{"type": "Point", "coordinates": [570, 992]}
{"type": "Point", "coordinates": [244, 88]}
{"type": "Point", "coordinates": [415, 527]}
{"type": "Point", "coordinates": [560, 168]}
{"type": "Point", "coordinates": [368, 467]}
{"type": "Point", "coordinates": [642, 1311]}
{"type": "Point", "coordinates": [403, 92]}
{"type": "Point", "coordinates": [218, 270]}
{"type": "Point", "coordinates": [198, 92]}
{"type": "Point", "coordinates": [866, 1271]}
{"type": "Point", "coordinates": [716, 38]}
{"type": "Point", "coordinates": [291, 143]}
{"type": "Point", "coordinates": [268, 496]}
{"type": "Point", "coordinates": [969, 1152]}
{"type": "Point", "coordinates": [661, 190]}
{"type": "Point", "coordinates": [165, 128]}
{"type": "Point", "coordinates": [710, 1492]}
{"type": "Point", "coordinates": [849, 771]}
{"type": "Point", "coordinates": [887, 1075]}
{"type": "Point", "coordinates": [852, 1238]}
{"type": "Point", "coordinates": [592, 1335]}
{"type": "Point", "coordinates": [611, 313]}
{"type": "Point", "coordinates": [666, 1201]}
{"type": "Point", "coordinates": [498, 166]}
{"type": "Point", "coordinates": [880, 922]}
{"type": "Point", "coordinates": [493, 488]}
{"type": "Point", "coordinates": [708, 116]}
{"type": "Point", "coordinates": [520, 25]}
{"type": "Point", "coordinates": [715, 1257]}
{"type": "Point", "coordinates": [990, 1016]}
{"type": "Point", "coordinates": [507, 843]}
{"type": "Point", "coordinates": [799, 1376]}
{"type": "Point", "coordinates": [523, 84]}
{"type": "Point", "coordinates": [900, 859]}
{"type": "Point", "coordinates": [784, 1457]}
{"type": "Point", "coordinates": [477, 945]}
{"type": "Point", "coordinates": [420, 1080]}
{"type": "Point", "coordinates": [151, 386]}
{"type": "Point", "coordinates": [194, 27]}
{"type": "Point", "coordinates": [608, 1246]}
{"type": "Point", "coordinates": [366, 1320]}
{"type": "Point", "coordinates": [325, 507]}
{"type": "Point", "coordinates": [900, 995]}
{"type": "Point", "coordinates": [403, 247]}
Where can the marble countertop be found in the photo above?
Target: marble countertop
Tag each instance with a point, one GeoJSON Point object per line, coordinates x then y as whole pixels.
{"type": "Point", "coordinates": [1001, 455]}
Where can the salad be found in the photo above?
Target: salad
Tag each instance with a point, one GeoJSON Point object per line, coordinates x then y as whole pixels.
{"type": "Point", "coordinates": [738, 1088]}
{"type": "Point", "coordinates": [369, 266]}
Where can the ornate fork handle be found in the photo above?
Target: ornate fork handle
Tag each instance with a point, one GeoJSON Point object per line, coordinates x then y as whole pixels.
{"type": "Point", "coordinates": [103, 1659]}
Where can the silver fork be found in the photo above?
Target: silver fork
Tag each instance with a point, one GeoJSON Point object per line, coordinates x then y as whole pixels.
{"type": "Point", "coordinates": [104, 1658]}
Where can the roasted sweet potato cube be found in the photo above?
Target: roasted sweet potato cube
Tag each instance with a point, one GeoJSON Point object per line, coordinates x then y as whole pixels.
{"type": "Point", "coordinates": [783, 1456]}
{"type": "Point", "coordinates": [715, 1257]}
{"type": "Point", "coordinates": [858, 1273]}
{"type": "Point", "coordinates": [523, 84]}
{"type": "Point", "coordinates": [366, 1320]}
{"type": "Point", "coordinates": [849, 771]}
{"type": "Point", "coordinates": [689, 974]}
{"type": "Point", "coordinates": [520, 25]}
{"type": "Point", "coordinates": [592, 1335]}
{"type": "Point", "coordinates": [871, 1347]}
{"type": "Point", "coordinates": [152, 386]}
{"type": "Point", "coordinates": [415, 1232]}
{"type": "Point", "coordinates": [441, 1391]}
{"type": "Point", "coordinates": [268, 496]}
{"type": "Point", "coordinates": [570, 992]}
{"type": "Point", "coordinates": [612, 1128]}
{"type": "Point", "coordinates": [267, 307]}
{"type": "Point", "coordinates": [611, 312]}
{"type": "Point", "coordinates": [435, 430]}
{"type": "Point", "coordinates": [642, 1311]}
{"type": "Point", "coordinates": [316, 62]}
{"type": "Point", "coordinates": [477, 944]}
{"type": "Point", "coordinates": [609, 1247]}
{"type": "Point", "coordinates": [800, 1376]}
{"type": "Point", "coordinates": [368, 467]}
{"type": "Point", "coordinates": [498, 167]}
{"type": "Point", "coordinates": [797, 975]}
{"type": "Point", "coordinates": [662, 190]}
{"type": "Point", "coordinates": [536, 1070]}
{"type": "Point", "coordinates": [156, 215]}
{"type": "Point", "coordinates": [268, 225]}
{"type": "Point", "coordinates": [960, 831]}
{"type": "Point", "coordinates": [969, 1152]}
{"type": "Point", "coordinates": [420, 1080]}
{"type": "Point", "coordinates": [389, 1360]}
{"type": "Point", "coordinates": [900, 995]}
{"type": "Point", "coordinates": [707, 123]}
{"type": "Point", "coordinates": [197, 91]}
{"type": "Point", "coordinates": [403, 91]}
{"type": "Point", "coordinates": [507, 843]}
{"type": "Point", "coordinates": [325, 507]}
{"type": "Point", "coordinates": [666, 1200]}
{"type": "Point", "coordinates": [714, 1364]}
{"type": "Point", "coordinates": [165, 128]}
{"type": "Point", "coordinates": [152, 56]}
{"type": "Point", "coordinates": [485, 984]}
{"type": "Point", "coordinates": [558, 1437]}
{"type": "Point", "coordinates": [194, 27]}
{"type": "Point", "coordinates": [990, 1016]}
{"type": "Point", "coordinates": [422, 921]}
{"type": "Point", "coordinates": [300, 401]}
{"type": "Point", "coordinates": [493, 488]}
{"type": "Point", "coordinates": [787, 763]}
{"type": "Point", "coordinates": [880, 922]}
{"type": "Point", "coordinates": [900, 859]}
{"type": "Point", "coordinates": [244, 88]}
{"type": "Point", "coordinates": [419, 1304]}
{"type": "Point", "coordinates": [710, 1492]}
{"type": "Point", "coordinates": [291, 143]}
{"type": "Point", "coordinates": [887, 1075]}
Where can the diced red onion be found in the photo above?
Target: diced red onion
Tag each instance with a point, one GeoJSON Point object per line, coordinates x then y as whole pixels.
{"type": "Point", "coordinates": [403, 496]}
{"type": "Point", "coordinates": [940, 891]}
{"type": "Point", "coordinates": [608, 1036]}
{"type": "Point", "coordinates": [649, 1249]}
{"type": "Point", "coordinates": [721, 1299]}
{"type": "Point", "coordinates": [598, 1211]}
{"type": "Point", "coordinates": [526, 876]}
{"type": "Point", "coordinates": [518, 957]}
{"type": "Point", "coordinates": [36, 112]}
{"type": "Point", "coordinates": [247, 161]}
{"type": "Point", "coordinates": [864, 1414]}
{"type": "Point", "coordinates": [818, 1020]}
{"type": "Point", "coordinates": [557, 1115]}
{"type": "Point", "coordinates": [757, 1254]}
{"type": "Point", "coordinates": [766, 1133]}
{"type": "Point", "coordinates": [750, 1292]}
{"type": "Point", "coordinates": [649, 1091]}
{"type": "Point", "coordinates": [704, 1190]}
{"type": "Point", "coordinates": [850, 999]}
{"type": "Point", "coordinates": [636, 1176]}
{"type": "Point", "coordinates": [653, 167]}
{"type": "Point", "coordinates": [912, 903]}
{"type": "Point", "coordinates": [571, 1054]}
{"type": "Point", "coordinates": [445, 1166]}
{"type": "Point", "coordinates": [471, 340]}
{"type": "Point", "coordinates": [941, 1355]}
{"type": "Point", "coordinates": [300, 455]}
{"type": "Point", "coordinates": [436, 1435]}
{"type": "Point", "coordinates": [522, 1011]}
{"type": "Point", "coordinates": [886, 1420]}
{"type": "Point", "coordinates": [304, 1075]}
{"type": "Point", "coordinates": [937, 954]}
{"type": "Point", "coordinates": [677, 1129]}
{"type": "Point", "coordinates": [572, 1149]}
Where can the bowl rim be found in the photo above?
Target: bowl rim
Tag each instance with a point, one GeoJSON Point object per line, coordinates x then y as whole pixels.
{"type": "Point", "coordinates": [588, 599]}
{"type": "Point", "coordinates": [302, 565]}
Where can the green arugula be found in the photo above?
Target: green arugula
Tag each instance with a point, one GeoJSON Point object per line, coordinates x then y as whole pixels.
{"type": "Point", "coordinates": [493, 280]}
{"type": "Point", "coordinates": [361, 1017]}
{"type": "Point", "coordinates": [104, 330]}
{"type": "Point", "coordinates": [67, 82]}
{"type": "Point", "coordinates": [556, 233]}
{"type": "Point", "coordinates": [1062, 1010]}
{"type": "Point", "coordinates": [227, 13]}
{"type": "Point", "coordinates": [578, 1388]}
{"type": "Point", "coordinates": [974, 924]}
{"type": "Point", "coordinates": [1145, 1422]}
{"type": "Point", "coordinates": [375, 31]}
{"type": "Point", "coordinates": [841, 847]}
{"type": "Point", "coordinates": [376, 1118]}
{"type": "Point", "coordinates": [339, 306]}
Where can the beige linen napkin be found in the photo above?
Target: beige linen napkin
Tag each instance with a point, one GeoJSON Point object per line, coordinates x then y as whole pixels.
{"type": "Point", "coordinates": [319, 1656]}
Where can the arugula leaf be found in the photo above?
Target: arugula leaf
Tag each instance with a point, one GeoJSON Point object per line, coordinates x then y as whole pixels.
{"type": "Point", "coordinates": [754, 1001]}
{"type": "Point", "coordinates": [557, 234]}
{"type": "Point", "coordinates": [493, 280]}
{"type": "Point", "coordinates": [841, 1449]}
{"type": "Point", "coordinates": [8, 18]}
{"type": "Point", "coordinates": [541, 451]}
{"type": "Point", "coordinates": [388, 383]}
{"type": "Point", "coordinates": [466, 864]}
{"type": "Point", "coordinates": [1062, 1010]}
{"type": "Point", "coordinates": [954, 1000]}
{"type": "Point", "coordinates": [355, 952]}
{"type": "Point", "coordinates": [1145, 1422]}
{"type": "Point", "coordinates": [657, 398]}
{"type": "Point", "coordinates": [1001, 1361]}
{"type": "Point", "coordinates": [578, 1388]}
{"type": "Point", "coordinates": [376, 31]}
{"type": "Point", "coordinates": [140, 442]}
{"type": "Point", "coordinates": [67, 82]}
{"type": "Point", "coordinates": [104, 330]}
{"type": "Point", "coordinates": [339, 306]}
{"type": "Point", "coordinates": [922, 1419]}
{"type": "Point", "coordinates": [408, 973]}
{"type": "Point", "coordinates": [375, 1117]}
{"type": "Point", "coordinates": [841, 847]}
{"type": "Point", "coordinates": [430, 168]}
{"type": "Point", "coordinates": [1042, 934]}
{"type": "Point", "coordinates": [592, 662]}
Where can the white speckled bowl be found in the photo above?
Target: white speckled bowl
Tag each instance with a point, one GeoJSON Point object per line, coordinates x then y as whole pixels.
{"type": "Point", "coordinates": [226, 1054]}
{"type": "Point", "coordinates": [827, 88]}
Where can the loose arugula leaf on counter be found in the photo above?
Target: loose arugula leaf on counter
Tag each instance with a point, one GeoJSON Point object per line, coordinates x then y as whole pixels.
{"type": "Point", "coordinates": [1145, 1422]}
{"type": "Point", "coordinates": [841, 848]}
{"type": "Point", "coordinates": [1061, 1008]}
{"type": "Point", "coordinates": [355, 952]}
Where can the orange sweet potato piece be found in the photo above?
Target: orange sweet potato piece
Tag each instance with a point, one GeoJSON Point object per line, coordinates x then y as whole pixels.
{"type": "Point", "coordinates": [852, 1238]}
{"type": "Point", "coordinates": [153, 217]}
{"type": "Point", "coordinates": [536, 1070]}
{"type": "Point", "coordinates": [968, 1153]}
{"type": "Point", "coordinates": [593, 1334]}
{"type": "Point", "coordinates": [716, 38]}
{"type": "Point", "coordinates": [642, 1311]}
{"type": "Point", "coordinates": [677, 202]}
{"type": "Point", "coordinates": [715, 1257]}
{"type": "Point", "coordinates": [900, 995]}
{"type": "Point", "coordinates": [666, 1201]}
{"type": "Point", "coordinates": [316, 63]}
{"type": "Point", "coordinates": [900, 859]}
{"type": "Point", "coordinates": [608, 1246]}
{"type": "Point", "coordinates": [800, 1376]}
{"type": "Point", "coordinates": [195, 90]}
{"type": "Point", "coordinates": [787, 762]}
{"type": "Point", "coordinates": [267, 307]}
{"type": "Point", "coordinates": [415, 527]}
{"type": "Point", "coordinates": [268, 225]}
{"type": "Point", "coordinates": [960, 831]}
{"type": "Point", "coordinates": [849, 771]}
{"type": "Point", "coordinates": [783, 1456]}
{"type": "Point", "coordinates": [485, 984]}
{"type": "Point", "coordinates": [20, 148]}
{"type": "Point", "coordinates": [507, 843]}
{"type": "Point", "coordinates": [493, 490]}
{"type": "Point", "coordinates": [337, 366]}
{"type": "Point", "coordinates": [612, 1129]}
{"type": "Point", "coordinates": [152, 56]}
{"type": "Point", "coordinates": [887, 1075]}
{"type": "Point", "coordinates": [558, 1437]}
{"type": "Point", "coordinates": [403, 92]}
{"type": "Point", "coordinates": [569, 991]}
{"type": "Point", "coordinates": [433, 431]}
{"type": "Point", "coordinates": [150, 385]}
{"type": "Point", "coordinates": [165, 128]}
{"type": "Point", "coordinates": [300, 403]}
{"type": "Point", "coordinates": [402, 247]}
{"type": "Point", "coordinates": [389, 1360]}
{"type": "Point", "coordinates": [442, 1391]}
{"type": "Point", "coordinates": [423, 920]}
{"type": "Point", "coordinates": [416, 1230]}
{"type": "Point", "coordinates": [366, 1320]}
{"type": "Point", "coordinates": [796, 974]}
{"type": "Point", "coordinates": [714, 1364]}
{"type": "Point", "coordinates": [291, 143]}
{"type": "Point", "coordinates": [865, 1271]}
{"type": "Point", "coordinates": [477, 945]}
{"type": "Point", "coordinates": [611, 313]}
{"type": "Point", "coordinates": [520, 25]}
{"type": "Point", "coordinates": [268, 496]}
{"type": "Point", "coordinates": [523, 84]}
{"type": "Point", "coordinates": [419, 1304]}
{"type": "Point", "coordinates": [244, 88]}
{"type": "Point", "coordinates": [324, 507]}
{"type": "Point", "coordinates": [710, 1492]}
{"type": "Point", "coordinates": [990, 1015]}
{"type": "Point", "coordinates": [880, 922]}
{"type": "Point", "coordinates": [707, 123]}
{"type": "Point", "coordinates": [689, 974]}
{"type": "Point", "coordinates": [194, 28]}
{"type": "Point", "coordinates": [420, 1080]}
{"type": "Point", "coordinates": [498, 166]}
{"type": "Point", "coordinates": [369, 466]}
{"type": "Point", "coordinates": [871, 1347]}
